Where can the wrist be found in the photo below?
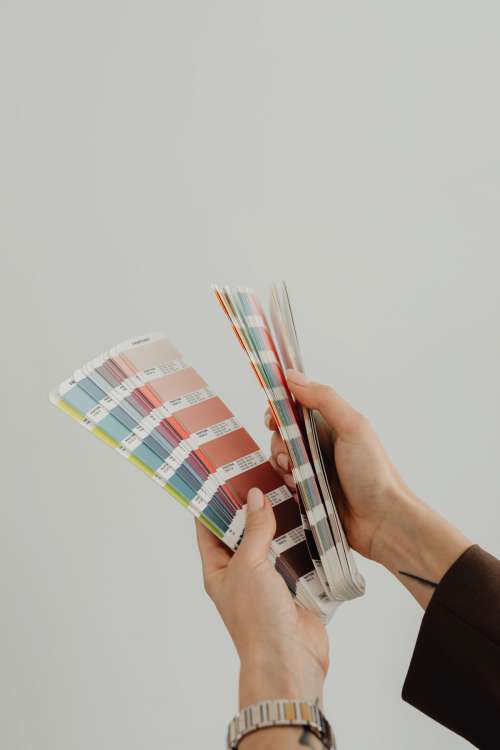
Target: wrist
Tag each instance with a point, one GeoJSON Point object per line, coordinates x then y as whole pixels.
{"type": "Point", "coordinates": [264, 676]}
{"type": "Point", "coordinates": [415, 539]}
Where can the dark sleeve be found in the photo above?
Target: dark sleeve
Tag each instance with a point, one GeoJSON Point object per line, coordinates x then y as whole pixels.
{"type": "Point", "coordinates": [454, 674]}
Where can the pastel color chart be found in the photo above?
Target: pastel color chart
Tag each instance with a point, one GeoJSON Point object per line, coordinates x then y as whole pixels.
{"type": "Point", "coordinates": [143, 400]}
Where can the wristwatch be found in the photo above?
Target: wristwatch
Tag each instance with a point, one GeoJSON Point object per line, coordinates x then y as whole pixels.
{"type": "Point", "coordinates": [280, 713]}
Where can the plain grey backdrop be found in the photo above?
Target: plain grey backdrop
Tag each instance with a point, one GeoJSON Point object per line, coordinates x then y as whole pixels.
{"type": "Point", "coordinates": [147, 150]}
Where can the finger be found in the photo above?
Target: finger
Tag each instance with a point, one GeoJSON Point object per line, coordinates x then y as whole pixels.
{"type": "Point", "coordinates": [260, 528]}
{"type": "Point", "coordinates": [339, 414]}
{"type": "Point", "coordinates": [214, 554]}
{"type": "Point", "coordinates": [269, 420]}
{"type": "Point", "coordinates": [285, 476]}
{"type": "Point", "coordinates": [280, 460]}
{"type": "Point", "coordinates": [279, 452]}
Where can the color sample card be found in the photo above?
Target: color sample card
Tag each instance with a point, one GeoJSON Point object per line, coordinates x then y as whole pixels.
{"type": "Point", "coordinates": [322, 460]}
{"type": "Point", "coordinates": [323, 530]}
{"type": "Point", "coordinates": [142, 399]}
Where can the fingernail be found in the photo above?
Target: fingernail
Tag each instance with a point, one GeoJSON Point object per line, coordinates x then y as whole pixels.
{"type": "Point", "coordinates": [267, 420]}
{"type": "Point", "coordinates": [296, 377]}
{"type": "Point", "coordinates": [289, 480]}
{"type": "Point", "coordinates": [255, 500]}
{"type": "Point", "coordinates": [283, 461]}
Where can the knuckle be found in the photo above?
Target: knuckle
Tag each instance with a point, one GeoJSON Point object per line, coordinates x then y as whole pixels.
{"type": "Point", "coordinates": [259, 528]}
{"type": "Point", "coordinates": [256, 526]}
{"type": "Point", "coordinates": [358, 424]}
{"type": "Point", "coordinates": [324, 393]}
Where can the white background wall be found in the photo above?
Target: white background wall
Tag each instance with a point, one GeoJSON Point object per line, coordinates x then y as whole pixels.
{"type": "Point", "coordinates": [148, 149]}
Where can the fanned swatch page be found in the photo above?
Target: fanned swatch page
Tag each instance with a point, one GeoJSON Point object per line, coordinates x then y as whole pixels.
{"type": "Point", "coordinates": [329, 549]}
{"type": "Point", "coordinates": [142, 399]}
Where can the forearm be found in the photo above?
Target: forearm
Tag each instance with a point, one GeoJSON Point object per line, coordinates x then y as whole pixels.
{"type": "Point", "coordinates": [263, 677]}
{"type": "Point", "coordinates": [417, 545]}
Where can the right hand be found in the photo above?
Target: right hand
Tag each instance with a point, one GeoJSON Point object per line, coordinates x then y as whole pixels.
{"type": "Point", "coordinates": [369, 483]}
{"type": "Point", "coordinates": [383, 519]}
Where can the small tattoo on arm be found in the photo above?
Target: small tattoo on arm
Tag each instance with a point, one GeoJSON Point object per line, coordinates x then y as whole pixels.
{"type": "Point", "coordinates": [423, 581]}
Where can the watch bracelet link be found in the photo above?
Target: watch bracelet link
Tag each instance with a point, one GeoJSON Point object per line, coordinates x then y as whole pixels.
{"type": "Point", "coordinates": [280, 712]}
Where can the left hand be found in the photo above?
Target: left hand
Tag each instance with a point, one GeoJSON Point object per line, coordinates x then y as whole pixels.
{"type": "Point", "coordinates": [283, 648]}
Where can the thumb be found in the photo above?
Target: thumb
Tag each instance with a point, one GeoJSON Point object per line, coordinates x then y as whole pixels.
{"type": "Point", "coordinates": [260, 528]}
{"type": "Point", "coordinates": [339, 415]}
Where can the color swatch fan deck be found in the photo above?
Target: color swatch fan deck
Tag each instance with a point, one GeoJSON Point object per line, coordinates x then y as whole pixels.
{"type": "Point", "coordinates": [329, 549]}
{"type": "Point", "coordinates": [142, 399]}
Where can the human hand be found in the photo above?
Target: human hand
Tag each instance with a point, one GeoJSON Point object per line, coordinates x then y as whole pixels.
{"type": "Point", "coordinates": [283, 648]}
{"type": "Point", "coordinates": [382, 517]}
{"type": "Point", "coordinates": [369, 483]}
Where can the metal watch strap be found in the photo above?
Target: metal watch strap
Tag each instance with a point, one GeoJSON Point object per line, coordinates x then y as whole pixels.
{"type": "Point", "coordinates": [280, 712]}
